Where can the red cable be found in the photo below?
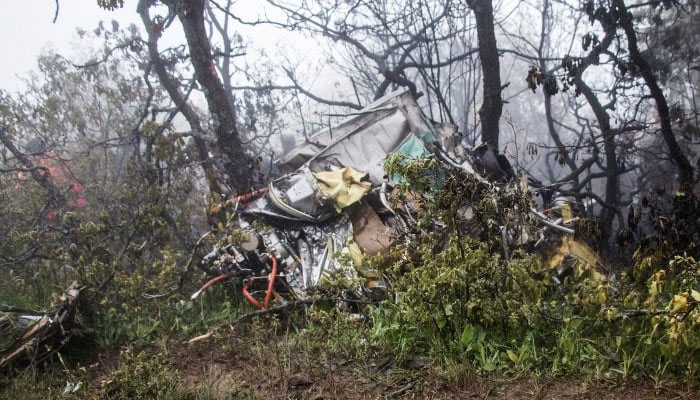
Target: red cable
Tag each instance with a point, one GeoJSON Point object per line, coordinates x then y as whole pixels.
{"type": "Point", "coordinates": [207, 285]}
{"type": "Point", "coordinates": [248, 197]}
{"type": "Point", "coordinates": [213, 281]}
{"type": "Point", "coordinates": [271, 281]}
{"type": "Point", "coordinates": [270, 287]}
{"type": "Point", "coordinates": [250, 298]}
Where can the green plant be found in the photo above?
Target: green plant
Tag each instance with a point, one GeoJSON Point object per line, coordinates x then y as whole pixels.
{"type": "Point", "coordinates": [141, 376]}
{"type": "Point", "coordinates": [458, 299]}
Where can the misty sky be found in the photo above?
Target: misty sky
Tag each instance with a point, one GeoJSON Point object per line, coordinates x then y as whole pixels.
{"type": "Point", "coordinates": [27, 28]}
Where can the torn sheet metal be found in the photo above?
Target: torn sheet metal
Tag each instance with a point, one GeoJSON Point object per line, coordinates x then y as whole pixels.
{"type": "Point", "coordinates": [364, 140]}
{"type": "Point", "coordinates": [299, 195]}
{"type": "Point", "coordinates": [315, 197]}
{"type": "Point", "coordinates": [318, 247]}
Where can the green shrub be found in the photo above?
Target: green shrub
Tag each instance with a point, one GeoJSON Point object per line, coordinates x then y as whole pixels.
{"type": "Point", "coordinates": [141, 376]}
{"type": "Point", "coordinates": [459, 300]}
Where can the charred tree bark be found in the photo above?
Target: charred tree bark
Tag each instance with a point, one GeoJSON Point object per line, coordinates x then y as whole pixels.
{"type": "Point", "coordinates": [173, 88]}
{"type": "Point", "coordinates": [236, 162]}
{"type": "Point", "coordinates": [612, 174]}
{"type": "Point", "coordinates": [548, 99]}
{"type": "Point", "coordinates": [681, 161]}
{"type": "Point", "coordinates": [492, 106]}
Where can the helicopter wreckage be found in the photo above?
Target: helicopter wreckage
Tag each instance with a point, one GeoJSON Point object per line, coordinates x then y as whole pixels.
{"type": "Point", "coordinates": [335, 206]}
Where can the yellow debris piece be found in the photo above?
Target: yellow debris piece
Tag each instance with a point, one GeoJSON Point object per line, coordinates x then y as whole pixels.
{"type": "Point", "coordinates": [357, 258]}
{"type": "Point", "coordinates": [571, 247]}
{"type": "Point", "coordinates": [566, 212]}
{"type": "Point", "coordinates": [354, 251]}
{"type": "Point", "coordinates": [344, 186]}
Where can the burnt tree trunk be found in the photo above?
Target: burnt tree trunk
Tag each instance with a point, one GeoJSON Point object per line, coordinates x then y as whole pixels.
{"type": "Point", "coordinates": [612, 173]}
{"type": "Point", "coordinates": [681, 161]}
{"type": "Point", "coordinates": [236, 162]}
{"type": "Point", "coordinates": [492, 106]}
{"type": "Point", "coordinates": [173, 88]}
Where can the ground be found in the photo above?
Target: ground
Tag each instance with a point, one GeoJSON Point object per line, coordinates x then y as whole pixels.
{"type": "Point", "coordinates": [250, 367]}
{"type": "Point", "coordinates": [264, 360]}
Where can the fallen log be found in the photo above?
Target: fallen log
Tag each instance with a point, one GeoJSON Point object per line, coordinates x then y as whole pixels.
{"type": "Point", "coordinates": [48, 334]}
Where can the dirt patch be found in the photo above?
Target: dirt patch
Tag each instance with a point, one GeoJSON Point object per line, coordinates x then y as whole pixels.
{"type": "Point", "coordinates": [249, 368]}
{"type": "Point", "coordinates": [254, 367]}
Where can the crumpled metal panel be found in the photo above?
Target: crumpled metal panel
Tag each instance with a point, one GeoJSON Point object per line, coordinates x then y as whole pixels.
{"type": "Point", "coordinates": [364, 140]}
{"type": "Point", "coordinates": [298, 194]}
{"type": "Point", "coordinates": [317, 250]}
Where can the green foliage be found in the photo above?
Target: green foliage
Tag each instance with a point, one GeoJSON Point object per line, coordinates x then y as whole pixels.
{"type": "Point", "coordinates": [141, 376]}
{"type": "Point", "coordinates": [31, 384]}
{"type": "Point", "coordinates": [461, 302]}
{"type": "Point", "coordinates": [132, 232]}
{"type": "Point", "coordinates": [466, 305]}
{"type": "Point", "coordinates": [420, 174]}
{"type": "Point", "coordinates": [340, 333]}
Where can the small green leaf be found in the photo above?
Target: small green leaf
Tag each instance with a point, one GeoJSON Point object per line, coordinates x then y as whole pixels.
{"type": "Point", "coordinates": [448, 309]}
{"type": "Point", "coordinates": [695, 295]}
{"type": "Point", "coordinates": [467, 335]}
{"type": "Point", "coordinates": [489, 366]}
{"type": "Point", "coordinates": [513, 357]}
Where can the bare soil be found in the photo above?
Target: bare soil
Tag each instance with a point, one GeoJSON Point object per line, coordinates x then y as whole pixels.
{"type": "Point", "coordinates": [247, 367]}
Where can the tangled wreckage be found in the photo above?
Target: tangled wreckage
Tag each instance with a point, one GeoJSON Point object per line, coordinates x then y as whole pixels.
{"type": "Point", "coordinates": [335, 205]}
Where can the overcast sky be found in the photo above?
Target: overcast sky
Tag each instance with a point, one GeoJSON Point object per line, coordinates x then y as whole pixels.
{"type": "Point", "coordinates": [26, 28]}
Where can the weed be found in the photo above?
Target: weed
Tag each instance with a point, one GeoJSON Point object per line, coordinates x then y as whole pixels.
{"type": "Point", "coordinates": [141, 376]}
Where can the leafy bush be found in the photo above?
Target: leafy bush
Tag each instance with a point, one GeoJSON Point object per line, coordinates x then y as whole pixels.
{"type": "Point", "coordinates": [141, 376]}
{"type": "Point", "coordinates": [458, 299]}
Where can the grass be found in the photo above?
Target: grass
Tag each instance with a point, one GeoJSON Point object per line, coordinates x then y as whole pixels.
{"type": "Point", "coordinates": [334, 351]}
{"type": "Point", "coordinates": [485, 326]}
